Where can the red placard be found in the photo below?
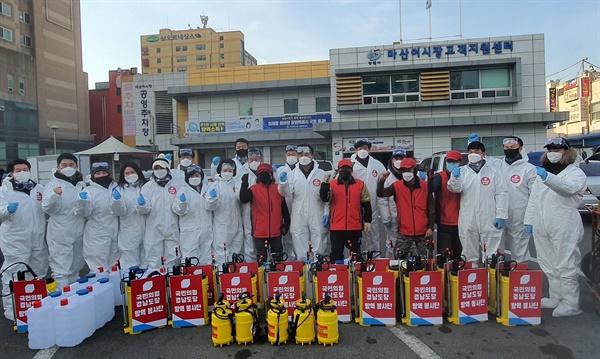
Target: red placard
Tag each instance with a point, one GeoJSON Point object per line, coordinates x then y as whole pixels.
{"type": "Point", "coordinates": [381, 264]}
{"type": "Point", "coordinates": [472, 296]}
{"type": "Point", "coordinates": [250, 267]}
{"type": "Point", "coordinates": [379, 300]}
{"type": "Point", "coordinates": [426, 298]}
{"type": "Point", "coordinates": [234, 284]}
{"type": "Point", "coordinates": [287, 284]}
{"type": "Point", "coordinates": [148, 303]}
{"type": "Point", "coordinates": [207, 270]}
{"type": "Point", "coordinates": [336, 283]}
{"type": "Point", "coordinates": [336, 267]}
{"type": "Point", "coordinates": [25, 293]}
{"type": "Point", "coordinates": [187, 302]}
{"type": "Point", "coordinates": [525, 296]}
{"type": "Point", "coordinates": [585, 87]}
{"type": "Point", "coordinates": [294, 266]}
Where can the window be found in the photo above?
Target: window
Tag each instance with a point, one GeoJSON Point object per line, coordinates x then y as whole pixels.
{"type": "Point", "coordinates": [493, 145]}
{"type": "Point", "coordinates": [181, 69]}
{"type": "Point", "coordinates": [245, 108]}
{"type": "Point", "coordinates": [28, 149]}
{"type": "Point", "coordinates": [21, 85]}
{"type": "Point", "coordinates": [5, 34]}
{"type": "Point", "coordinates": [119, 108]}
{"type": "Point", "coordinates": [200, 57]}
{"type": "Point", "coordinates": [405, 87]}
{"type": "Point", "coordinates": [322, 104]}
{"type": "Point", "coordinates": [26, 41]}
{"type": "Point", "coordinates": [24, 17]}
{"type": "Point", "coordinates": [201, 67]}
{"type": "Point", "coordinates": [220, 38]}
{"type": "Point", "coordinates": [390, 88]}
{"type": "Point", "coordinates": [464, 80]}
{"type": "Point", "coordinates": [290, 105]}
{"type": "Point", "coordinates": [5, 9]}
{"type": "Point", "coordinates": [158, 50]}
{"type": "Point", "coordinates": [221, 46]}
{"type": "Point", "coordinates": [376, 85]}
{"type": "Point", "coordinates": [11, 83]}
{"type": "Point", "coordinates": [159, 60]}
{"type": "Point", "coordinates": [482, 83]}
{"type": "Point", "coordinates": [177, 48]}
{"type": "Point", "coordinates": [184, 48]}
{"type": "Point", "coordinates": [158, 71]}
{"type": "Point", "coordinates": [595, 110]}
{"type": "Point", "coordinates": [222, 56]}
{"type": "Point", "coordinates": [200, 47]}
{"type": "Point", "coordinates": [181, 58]}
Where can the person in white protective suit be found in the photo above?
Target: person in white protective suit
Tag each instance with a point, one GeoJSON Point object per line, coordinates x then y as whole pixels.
{"type": "Point", "coordinates": [100, 246]}
{"type": "Point", "coordinates": [186, 158]}
{"type": "Point", "coordinates": [241, 146]}
{"type": "Point", "coordinates": [64, 233]}
{"type": "Point", "coordinates": [22, 228]}
{"type": "Point", "coordinates": [195, 221]}
{"type": "Point", "coordinates": [310, 216]}
{"type": "Point", "coordinates": [387, 205]}
{"type": "Point", "coordinates": [368, 170]}
{"type": "Point", "coordinates": [254, 160]}
{"type": "Point", "coordinates": [162, 225]}
{"type": "Point", "coordinates": [483, 204]}
{"type": "Point", "coordinates": [519, 176]}
{"type": "Point", "coordinates": [291, 161]}
{"type": "Point", "coordinates": [222, 200]}
{"type": "Point", "coordinates": [130, 237]}
{"type": "Point", "coordinates": [555, 223]}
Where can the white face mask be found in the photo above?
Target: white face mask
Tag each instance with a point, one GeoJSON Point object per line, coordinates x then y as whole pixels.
{"type": "Point", "coordinates": [68, 171]}
{"type": "Point", "coordinates": [408, 176]}
{"type": "Point", "coordinates": [305, 161]}
{"type": "Point", "coordinates": [226, 175]}
{"type": "Point", "coordinates": [554, 157]}
{"type": "Point", "coordinates": [291, 160]}
{"type": "Point", "coordinates": [186, 162]}
{"type": "Point", "coordinates": [362, 154]}
{"type": "Point", "coordinates": [22, 176]}
{"type": "Point", "coordinates": [195, 181]}
{"type": "Point", "coordinates": [160, 173]}
{"type": "Point", "coordinates": [254, 165]}
{"type": "Point", "coordinates": [474, 157]}
{"type": "Point", "coordinates": [131, 179]}
{"type": "Point", "coordinates": [397, 164]}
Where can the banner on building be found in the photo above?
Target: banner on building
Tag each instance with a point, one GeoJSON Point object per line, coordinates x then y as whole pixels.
{"type": "Point", "coordinates": [552, 104]}
{"type": "Point", "coordinates": [585, 87]}
{"type": "Point", "coordinates": [382, 144]}
{"type": "Point", "coordinates": [290, 122]}
{"type": "Point", "coordinates": [139, 109]}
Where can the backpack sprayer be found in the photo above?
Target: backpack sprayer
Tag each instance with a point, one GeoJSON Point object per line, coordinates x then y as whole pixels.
{"type": "Point", "coordinates": [491, 264]}
{"type": "Point", "coordinates": [277, 320]}
{"type": "Point", "coordinates": [302, 327]}
{"type": "Point", "coordinates": [327, 322]}
{"type": "Point", "coordinates": [24, 293]}
{"type": "Point", "coordinates": [359, 263]}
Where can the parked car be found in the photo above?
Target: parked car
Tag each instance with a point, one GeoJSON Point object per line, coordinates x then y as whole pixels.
{"type": "Point", "coordinates": [437, 162]}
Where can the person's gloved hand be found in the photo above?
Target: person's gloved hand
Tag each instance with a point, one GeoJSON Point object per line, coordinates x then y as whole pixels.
{"type": "Point", "coordinates": [182, 197]}
{"type": "Point", "coordinates": [529, 229]}
{"type": "Point", "coordinates": [422, 175]}
{"type": "Point", "coordinates": [283, 177]}
{"type": "Point", "coordinates": [116, 195]}
{"type": "Point", "coordinates": [456, 172]}
{"type": "Point", "coordinates": [473, 137]}
{"type": "Point", "coordinates": [169, 156]}
{"type": "Point", "coordinates": [213, 193]}
{"type": "Point", "coordinates": [541, 171]}
{"type": "Point", "coordinates": [367, 228]}
{"type": "Point", "coordinates": [388, 225]}
{"type": "Point", "coordinates": [498, 223]}
{"type": "Point", "coordinates": [141, 201]}
{"type": "Point", "coordinates": [12, 207]}
{"type": "Point", "coordinates": [83, 195]}
{"type": "Point", "coordinates": [216, 160]}
{"type": "Point", "coordinates": [325, 221]}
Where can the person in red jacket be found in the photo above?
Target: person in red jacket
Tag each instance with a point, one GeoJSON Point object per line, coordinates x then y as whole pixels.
{"type": "Point", "coordinates": [415, 206]}
{"type": "Point", "coordinates": [350, 207]}
{"type": "Point", "coordinates": [269, 213]}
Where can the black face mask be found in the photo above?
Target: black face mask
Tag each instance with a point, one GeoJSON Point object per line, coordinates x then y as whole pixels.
{"type": "Point", "coordinates": [344, 175]}
{"type": "Point", "coordinates": [241, 153]}
{"type": "Point", "coordinates": [104, 181]}
{"type": "Point", "coordinates": [264, 177]}
{"type": "Point", "coordinates": [512, 153]}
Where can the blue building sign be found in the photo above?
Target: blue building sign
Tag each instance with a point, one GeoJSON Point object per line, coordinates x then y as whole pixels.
{"type": "Point", "coordinates": [289, 122]}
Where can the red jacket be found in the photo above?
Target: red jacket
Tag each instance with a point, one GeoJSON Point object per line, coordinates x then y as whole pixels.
{"type": "Point", "coordinates": [447, 203]}
{"type": "Point", "coordinates": [345, 210]}
{"type": "Point", "coordinates": [267, 215]}
{"type": "Point", "coordinates": [412, 208]}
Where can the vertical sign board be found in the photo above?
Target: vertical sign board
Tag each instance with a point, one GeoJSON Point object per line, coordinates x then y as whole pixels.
{"type": "Point", "coordinates": [525, 297]}
{"type": "Point", "coordinates": [26, 292]}
{"type": "Point", "coordinates": [234, 284]}
{"type": "Point", "coordinates": [336, 284]}
{"type": "Point", "coordinates": [426, 304]}
{"type": "Point", "coordinates": [472, 296]}
{"type": "Point", "coordinates": [287, 284]}
{"type": "Point", "coordinates": [207, 270]}
{"type": "Point", "coordinates": [252, 268]}
{"type": "Point", "coordinates": [187, 302]}
{"type": "Point", "coordinates": [148, 303]}
{"type": "Point", "coordinates": [379, 300]}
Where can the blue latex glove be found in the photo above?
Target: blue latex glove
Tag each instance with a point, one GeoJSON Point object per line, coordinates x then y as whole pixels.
{"type": "Point", "coordinates": [182, 197]}
{"type": "Point", "coordinates": [12, 207]}
{"type": "Point", "coordinates": [83, 195]}
{"type": "Point", "coordinates": [216, 160]}
{"type": "Point", "coordinates": [499, 223]}
{"type": "Point", "coordinates": [325, 221]}
{"type": "Point", "coordinates": [116, 195]}
{"type": "Point", "coordinates": [283, 177]}
{"type": "Point", "coordinates": [541, 171]}
{"type": "Point", "coordinates": [473, 137]}
{"type": "Point", "coordinates": [529, 229]}
{"type": "Point", "coordinates": [422, 175]}
{"type": "Point", "coordinates": [169, 156]}
{"type": "Point", "coordinates": [456, 172]}
{"type": "Point", "coordinates": [213, 193]}
{"type": "Point", "coordinates": [388, 225]}
{"type": "Point", "coordinates": [141, 200]}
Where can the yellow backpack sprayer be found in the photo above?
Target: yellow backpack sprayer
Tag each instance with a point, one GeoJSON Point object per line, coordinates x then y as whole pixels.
{"type": "Point", "coordinates": [223, 329]}
{"type": "Point", "coordinates": [327, 322]}
{"type": "Point", "coordinates": [277, 320]}
{"type": "Point", "coordinates": [491, 264]}
{"type": "Point", "coordinates": [302, 326]}
{"type": "Point", "coordinates": [246, 320]}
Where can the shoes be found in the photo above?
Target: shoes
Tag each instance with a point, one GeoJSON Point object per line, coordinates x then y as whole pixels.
{"type": "Point", "coordinates": [564, 310]}
{"type": "Point", "coordinates": [549, 303]}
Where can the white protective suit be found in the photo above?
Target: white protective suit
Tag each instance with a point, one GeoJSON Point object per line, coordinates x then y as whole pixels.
{"type": "Point", "coordinates": [131, 227]}
{"type": "Point", "coordinates": [389, 214]}
{"type": "Point", "coordinates": [557, 231]}
{"type": "Point", "coordinates": [288, 244]}
{"type": "Point", "coordinates": [484, 197]}
{"type": "Point", "coordinates": [306, 224]}
{"type": "Point", "coordinates": [227, 218]}
{"type": "Point", "coordinates": [162, 225]}
{"type": "Point", "coordinates": [519, 178]}
{"type": "Point", "coordinates": [248, 249]}
{"type": "Point", "coordinates": [22, 236]}
{"type": "Point", "coordinates": [195, 224]}
{"type": "Point", "coordinates": [64, 233]}
{"type": "Point", "coordinates": [370, 175]}
{"type": "Point", "coordinates": [100, 246]}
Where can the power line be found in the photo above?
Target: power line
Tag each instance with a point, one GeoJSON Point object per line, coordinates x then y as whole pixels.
{"type": "Point", "coordinates": [575, 64]}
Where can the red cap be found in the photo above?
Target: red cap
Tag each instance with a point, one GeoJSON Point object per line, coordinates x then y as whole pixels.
{"type": "Point", "coordinates": [345, 162]}
{"type": "Point", "coordinates": [454, 156]}
{"type": "Point", "coordinates": [66, 288]}
{"type": "Point", "coordinates": [264, 167]}
{"type": "Point", "coordinates": [101, 269]}
{"type": "Point", "coordinates": [90, 288]}
{"type": "Point", "coordinates": [37, 304]}
{"type": "Point", "coordinates": [64, 301]}
{"type": "Point", "coordinates": [114, 268]}
{"type": "Point", "coordinates": [408, 163]}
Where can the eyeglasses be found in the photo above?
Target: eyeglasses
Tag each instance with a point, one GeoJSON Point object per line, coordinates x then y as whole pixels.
{"type": "Point", "coordinates": [510, 141]}
{"type": "Point", "coordinates": [191, 169]}
{"type": "Point", "coordinates": [96, 166]}
{"type": "Point", "coordinates": [557, 141]}
{"type": "Point", "coordinates": [186, 152]}
{"type": "Point", "coordinates": [304, 149]}
{"type": "Point", "coordinates": [291, 148]}
{"type": "Point", "coordinates": [254, 154]}
{"type": "Point", "coordinates": [399, 152]}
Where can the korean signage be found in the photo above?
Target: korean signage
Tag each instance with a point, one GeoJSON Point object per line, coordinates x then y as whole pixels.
{"type": "Point", "coordinates": [252, 268]}
{"type": "Point", "coordinates": [148, 303]}
{"type": "Point", "coordinates": [571, 94]}
{"type": "Point", "coordinates": [379, 301]}
{"type": "Point", "coordinates": [584, 109]}
{"type": "Point", "coordinates": [289, 122]}
{"type": "Point", "coordinates": [574, 114]}
{"type": "Point", "coordinates": [552, 104]}
{"type": "Point", "coordinates": [187, 301]}
{"type": "Point", "coordinates": [26, 292]}
{"type": "Point", "coordinates": [525, 295]}
{"type": "Point", "coordinates": [235, 284]}
{"type": "Point", "coordinates": [287, 284]}
{"type": "Point", "coordinates": [336, 284]}
{"type": "Point", "coordinates": [585, 87]}
{"type": "Point", "coordinates": [138, 104]}
{"type": "Point", "coordinates": [426, 298]}
{"type": "Point", "coordinates": [128, 109]}
{"type": "Point", "coordinates": [208, 271]}
{"type": "Point", "coordinates": [229, 126]}
{"type": "Point", "coordinates": [472, 296]}
{"type": "Point", "coordinates": [382, 144]}
{"type": "Point", "coordinates": [174, 37]}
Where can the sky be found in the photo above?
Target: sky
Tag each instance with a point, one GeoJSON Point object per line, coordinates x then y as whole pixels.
{"type": "Point", "coordinates": [282, 31]}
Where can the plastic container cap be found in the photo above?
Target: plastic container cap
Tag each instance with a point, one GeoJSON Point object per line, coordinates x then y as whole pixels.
{"type": "Point", "coordinates": [103, 280]}
{"type": "Point", "coordinates": [37, 304]}
{"type": "Point", "coordinates": [67, 288]}
{"type": "Point", "coordinates": [82, 280]}
{"type": "Point", "coordinates": [101, 269]}
{"type": "Point", "coordinates": [55, 294]}
{"type": "Point", "coordinates": [134, 268]}
{"type": "Point", "coordinates": [82, 292]}
{"type": "Point", "coordinates": [64, 301]}
{"type": "Point", "coordinates": [89, 288]}
{"type": "Point", "coordinates": [339, 261]}
{"type": "Point", "coordinates": [114, 268]}
{"type": "Point", "coordinates": [90, 275]}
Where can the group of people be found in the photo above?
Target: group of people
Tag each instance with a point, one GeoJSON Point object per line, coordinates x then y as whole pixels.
{"type": "Point", "coordinates": [247, 208]}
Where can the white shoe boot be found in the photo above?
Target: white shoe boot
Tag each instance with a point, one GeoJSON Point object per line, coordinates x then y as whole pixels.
{"type": "Point", "coordinates": [8, 314]}
{"type": "Point", "coordinates": [550, 303]}
{"type": "Point", "coordinates": [565, 310]}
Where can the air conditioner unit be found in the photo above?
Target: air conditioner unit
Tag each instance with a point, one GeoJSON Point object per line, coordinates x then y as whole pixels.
{"type": "Point", "coordinates": [2, 108]}
{"type": "Point", "coordinates": [10, 89]}
{"type": "Point", "coordinates": [22, 92]}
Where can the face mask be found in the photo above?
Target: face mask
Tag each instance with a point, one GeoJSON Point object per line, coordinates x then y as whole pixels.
{"type": "Point", "coordinates": [397, 164]}
{"type": "Point", "coordinates": [554, 157]}
{"type": "Point", "coordinates": [195, 181]}
{"type": "Point", "coordinates": [264, 177]}
{"type": "Point", "coordinates": [474, 157]}
{"type": "Point", "coordinates": [103, 181]}
{"type": "Point", "coordinates": [226, 175]}
{"type": "Point", "coordinates": [344, 175]}
{"type": "Point", "coordinates": [68, 171]}
{"type": "Point", "coordinates": [408, 176]}
{"type": "Point", "coordinates": [511, 153]}
{"type": "Point", "coordinates": [305, 161]}
{"type": "Point", "coordinates": [362, 154]}
{"type": "Point", "coordinates": [186, 162]}
{"type": "Point", "coordinates": [160, 173]}
{"type": "Point", "coordinates": [254, 165]}
{"type": "Point", "coordinates": [451, 166]}
{"type": "Point", "coordinates": [131, 179]}
{"type": "Point", "coordinates": [242, 153]}
{"type": "Point", "coordinates": [22, 176]}
{"type": "Point", "coordinates": [291, 160]}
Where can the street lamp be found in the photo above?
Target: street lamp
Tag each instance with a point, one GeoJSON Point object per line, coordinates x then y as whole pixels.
{"type": "Point", "coordinates": [54, 128]}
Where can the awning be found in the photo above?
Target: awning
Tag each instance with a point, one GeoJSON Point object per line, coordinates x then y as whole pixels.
{"type": "Point", "coordinates": [589, 140]}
